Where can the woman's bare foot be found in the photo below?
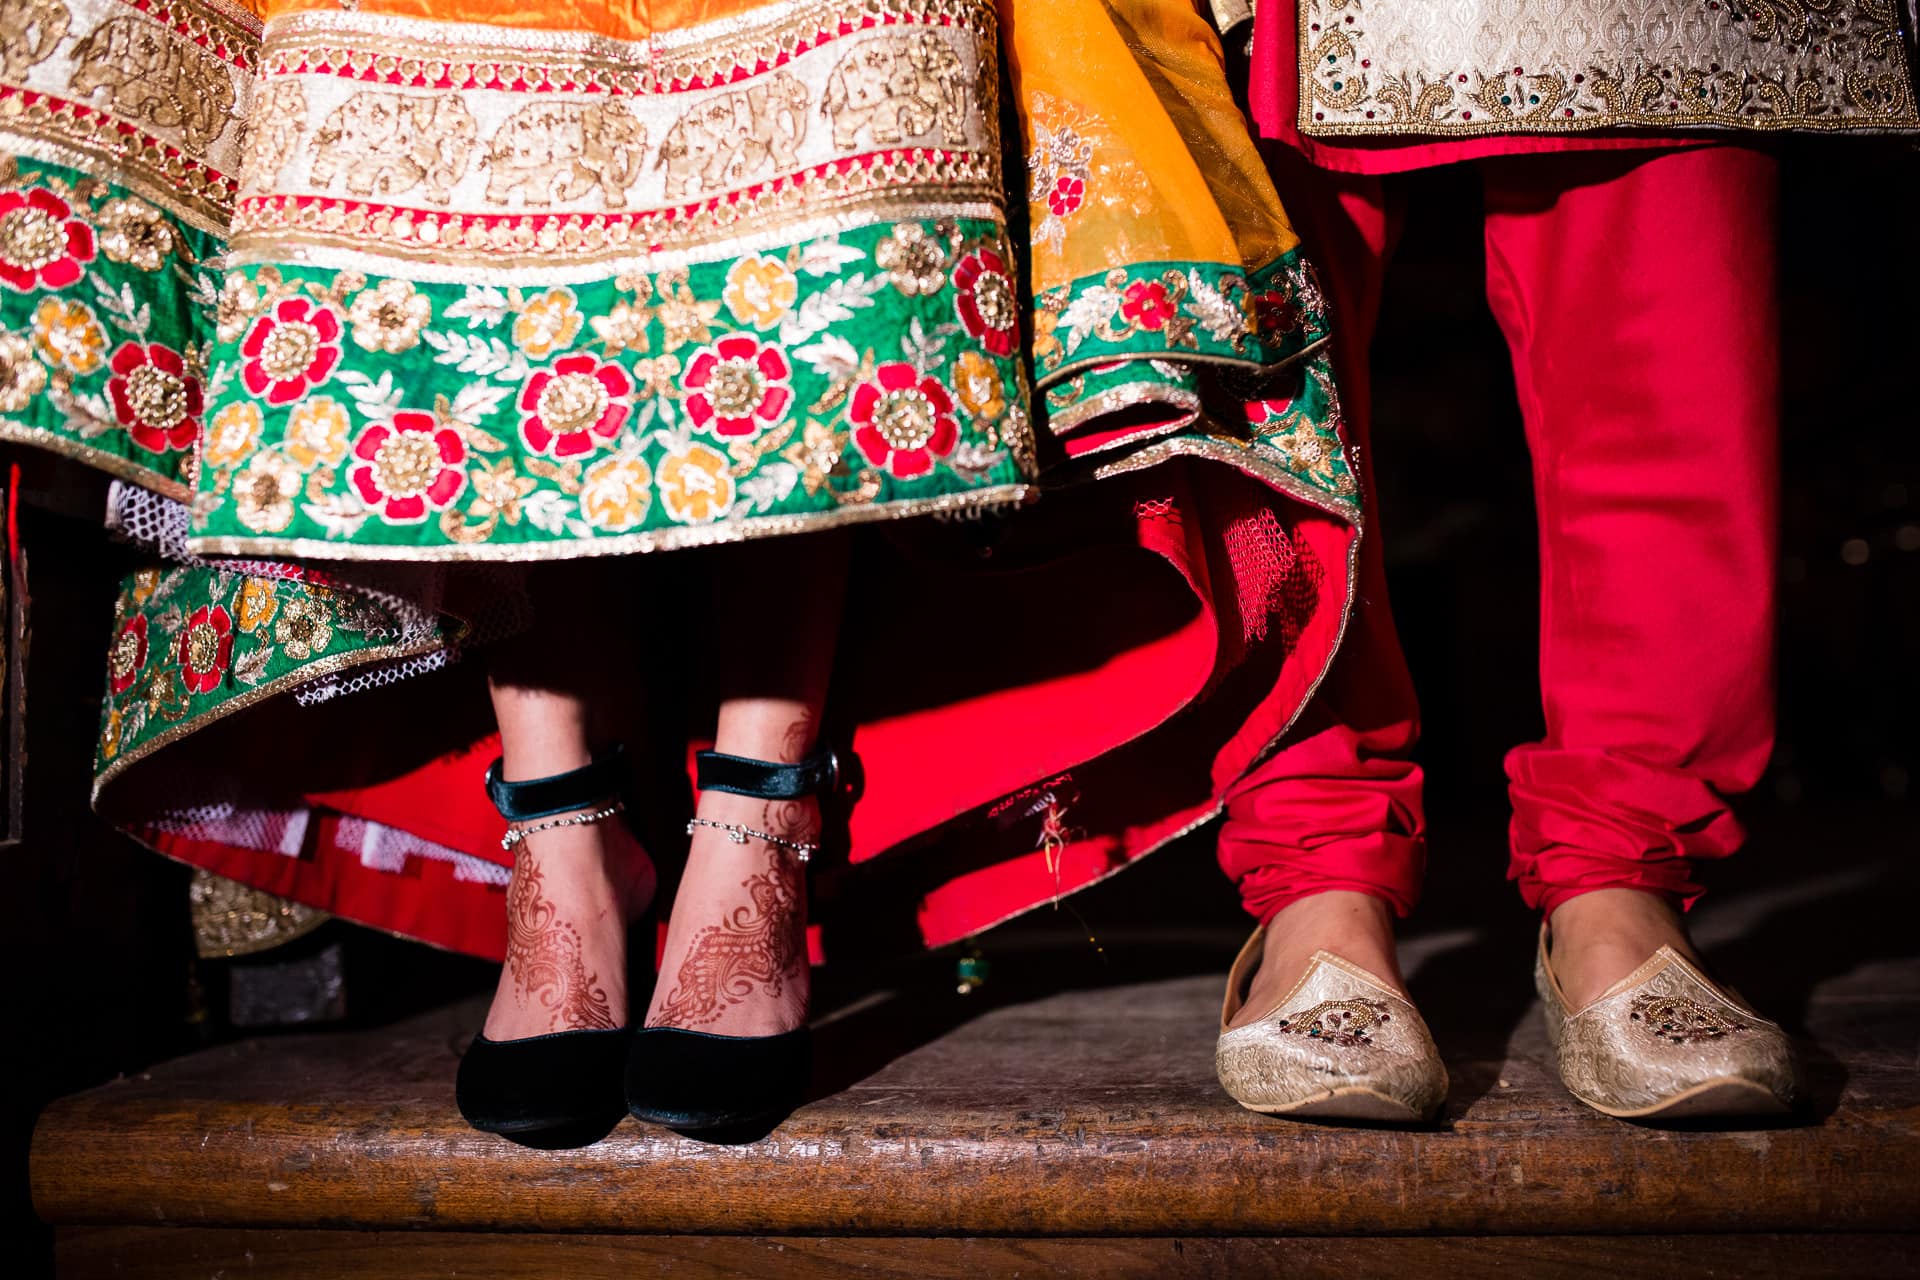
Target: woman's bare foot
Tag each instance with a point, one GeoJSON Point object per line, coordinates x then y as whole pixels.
{"type": "Point", "coordinates": [735, 962]}
{"type": "Point", "coordinates": [572, 893]}
{"type": "Point", "coordinates": [1357, 927]}
{"type": "Point", "coordinates": [1599, 938]}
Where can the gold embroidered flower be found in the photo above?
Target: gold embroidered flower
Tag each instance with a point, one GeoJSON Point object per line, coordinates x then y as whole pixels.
{"type": "Point", "coordinates": [21, 376]}
{"type": "Point", "coordinates": [110, 734]}
{"type": "Point", "coordinates": [305, 628]}
{"type": "Point", "coordinates": [389, 316]}
{"type": "Point", "coordinates": [615, 493]}
{"type": "Point", "coordinates": [914, 260]}
{"type": "Point", "coordinates": [498, 487]}
{"type": "Point", "coordinates": [238, 302]}
{"type": "Point", "coordinates": [317, 433]}
{"type": "Point", "coordinates": [684, 317]}
{"type": "Point", "coordinates": [548, 323]}
{"type": "Point", "coordinates": [69, 336]}
{"type": "Point", "coordinates": [134, 232]}
{"type": "Point", "coordinates": [264, 494]}
{"type": "Point", "coordinates": [624, 328]}
{"type": "Point", "coordinates": [145, 583]}
{"type": "Point", "coordinates": [659, 376]}
{"type": "Point", "coordinates": [760, 291]}
{"type": "Point", "coordinates": [257, 604]}
{"type": "Point", "coordinates": [694, 485]}
{"type": "Point", "coordinates": [816, 453]}
{"type": "Point", "coordinates": [977, 382]}
{"type": "Point", "coordinates": [233, 434]}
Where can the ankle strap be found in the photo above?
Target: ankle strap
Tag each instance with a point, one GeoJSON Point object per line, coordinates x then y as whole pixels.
{"type": "Point", "coordinates": [818, 774]}
{"type": "Point", "coordinates": [587, 787]}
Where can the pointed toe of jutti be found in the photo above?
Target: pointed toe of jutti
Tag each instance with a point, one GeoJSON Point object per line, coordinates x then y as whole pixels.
{"type": "Point", "coordinates": [1668, 1044]}
{"type": "Point", "coordinates": [1342, 1046]}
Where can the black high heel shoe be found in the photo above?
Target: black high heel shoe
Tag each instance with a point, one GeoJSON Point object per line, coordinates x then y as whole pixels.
{"type": "Point", "coordinates": [696, 1082]}
{"type": "Point", "coordinates": [562, 1089]}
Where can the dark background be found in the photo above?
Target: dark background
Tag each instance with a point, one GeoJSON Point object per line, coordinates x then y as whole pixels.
{"type": "Point", "coordinates": [97, 973]}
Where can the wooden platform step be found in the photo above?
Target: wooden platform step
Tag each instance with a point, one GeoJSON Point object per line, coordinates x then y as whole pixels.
{"type": "Point", "coordinates": [1061, 1122]}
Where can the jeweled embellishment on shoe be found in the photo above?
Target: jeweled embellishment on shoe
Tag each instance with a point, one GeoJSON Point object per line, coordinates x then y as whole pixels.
{"type": "Point", "coordinates": [1679, 1020]}
{"type": "Point", "coordinates": [1341, 1022]}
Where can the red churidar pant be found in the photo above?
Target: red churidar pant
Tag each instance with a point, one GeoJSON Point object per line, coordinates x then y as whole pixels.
{"type": "Point", "coordinates": [1636, 291]}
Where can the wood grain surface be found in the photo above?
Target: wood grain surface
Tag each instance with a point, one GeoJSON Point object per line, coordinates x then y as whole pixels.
{"type": "Point", "coordinates": [172, 1253]}
{"type": "Point", "coordinates": [1086, 1112]}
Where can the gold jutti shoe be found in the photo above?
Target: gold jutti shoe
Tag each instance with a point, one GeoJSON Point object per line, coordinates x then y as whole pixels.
{"type": "Point", "coordinates": [1342, 1045]}
{"type": "Point", "coordinates": [1666, 1042]}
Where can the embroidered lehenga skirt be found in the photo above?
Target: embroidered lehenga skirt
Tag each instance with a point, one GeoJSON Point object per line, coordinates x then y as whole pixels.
{"type": "Point", "coordinates": [368, 306]}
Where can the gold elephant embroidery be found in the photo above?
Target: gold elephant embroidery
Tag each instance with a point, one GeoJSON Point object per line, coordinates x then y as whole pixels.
{"type": "Point", "coordinates": [386, 143]}
{"type": "Point", "coordinates": [34, 29]}
{"type": "Point", "coordinates": [553, 152]}
{"type": "Point", "coordinates": [152, 75]}
{"type": "Point", "coordinates": [735, 136]}
{"type": "Point", "coordinates": [276, 120]}
{"type": "Point", "coordinates": [898, 87]}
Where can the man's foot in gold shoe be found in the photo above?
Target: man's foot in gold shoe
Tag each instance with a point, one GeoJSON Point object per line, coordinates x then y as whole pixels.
{"type": "Point", "coordinates": [1663, 1041]}
{"type": "Point", "coordinates": [1338, 1042]}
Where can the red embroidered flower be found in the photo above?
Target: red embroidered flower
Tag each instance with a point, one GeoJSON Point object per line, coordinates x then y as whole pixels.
{"type": "Point", "coordinates": [989, 309]}
{"type": "Point", "coordinates": [407, 466]}
{"type": "Point", "coordinates": [290, 351]}
{"type": "Point", "coordinates": [206, 648]}
{"type": "Point", "coordinates": [737, 386]}
{"type": "Point", "coordinates": [154, 397]}
{"type": "Point", "coordinates": [41, 243]}
{"type": "Point", "coordinates": [128, 655]}
{"type": "Point", "coordinates": [573, 406]}
{"type": "Point", "coordinates": [1274, 311]}
{"type": "Point", "coordinates": [1148, 304]}
{"type": "Point", "coordinates": [902, 421]}
{"type": "Point", "coordinates": [1068, 194]}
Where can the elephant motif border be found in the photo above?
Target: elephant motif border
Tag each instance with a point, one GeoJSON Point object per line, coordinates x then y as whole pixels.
{"type": "Point", "coordinates": [567, 156]}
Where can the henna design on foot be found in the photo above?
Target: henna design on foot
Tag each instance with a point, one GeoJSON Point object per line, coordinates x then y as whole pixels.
{"type": "Point", "coordinates": [544, 956]}
{"type": "Point", "coordinates": [756, 945]}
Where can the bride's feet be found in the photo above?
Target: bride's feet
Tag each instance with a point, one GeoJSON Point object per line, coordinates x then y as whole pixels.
{"type": "Point", "coordinates": [1357, 927]}
{"type": "Point", "coordinates": [573, 891]}
{"type": "Point", "coordinates": [735, 961]}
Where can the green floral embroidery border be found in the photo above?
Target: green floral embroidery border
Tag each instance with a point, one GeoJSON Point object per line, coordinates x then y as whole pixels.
{"type": "Point", "coordinates": [113, 278]}
{"type": "Point", "coordinates": [195, 642]}
{"type": "Point", "coordinates": [841, 378]}
{"type": "Point", "coordinates": [1179, 311]}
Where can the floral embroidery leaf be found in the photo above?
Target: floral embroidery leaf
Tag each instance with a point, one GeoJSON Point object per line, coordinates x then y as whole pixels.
{"type": "Point", "coordinates": [250, 668]}
{"type": "Point", "coordinates": [484, 306]}
{"type": "Point", "coordinates": [826, 256]}
{"type": "Point", "coordinates": [1222, 321]}
{"type": "Point", "coordinates": [135, 316]}
{"type": "Point", "coordinates": [771, 484]}
{"type": "Point", "coordinates": [831, 305]}
{"type": "Point", "coordinates": [550, 512]}
{"type": "Point", "coordinates": [831, 357]}
{"type": "Point", "coordinates": [340, 515]}
{"type": "Point", "coordinates": [374, 399]}
{"type": "Point", "coordinates": [1094, 307]}
{"type": "Point", "coordinates": [477, 354]}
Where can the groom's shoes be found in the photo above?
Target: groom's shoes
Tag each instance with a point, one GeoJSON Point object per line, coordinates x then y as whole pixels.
{"type": "Point", "coordinates": [1668, 1043]}
{"type": "Point", "coordinates": [1342, 1045]}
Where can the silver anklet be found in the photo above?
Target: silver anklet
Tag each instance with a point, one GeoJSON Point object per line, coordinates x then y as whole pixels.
{"type": "Point", "coordinates": [738, 834]}
{"type": "Point", "coordinates": [516, 834]}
